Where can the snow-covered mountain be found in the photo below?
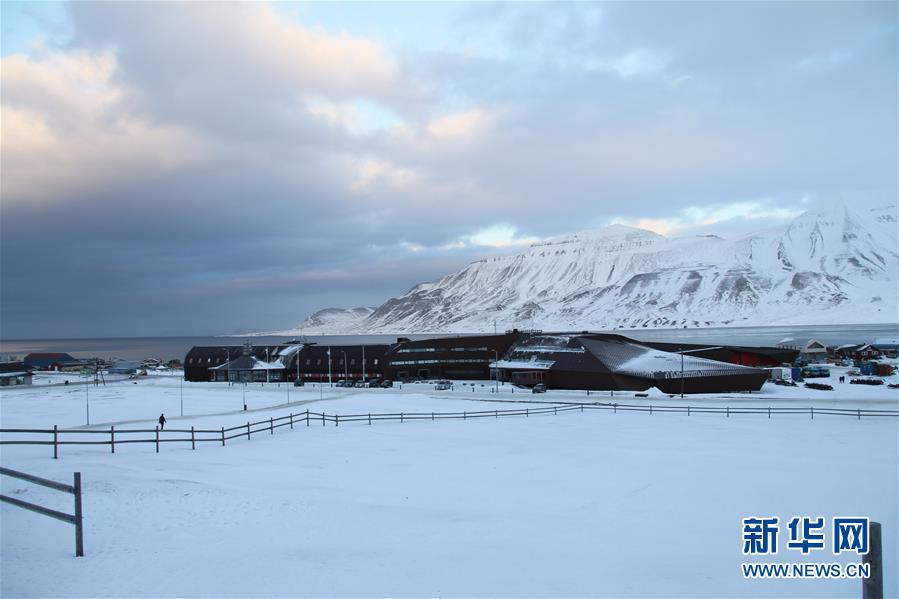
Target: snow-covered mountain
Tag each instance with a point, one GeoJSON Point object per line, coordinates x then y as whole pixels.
{"type": "Point", "coordinates": [335, 320]}
{"type": "Point", "coordinates": [825, 267]}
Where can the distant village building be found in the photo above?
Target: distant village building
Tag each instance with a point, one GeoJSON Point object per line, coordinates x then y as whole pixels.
{"type": "Point", "coordinates": [14, 373]}
{"type": "Point", "coordinates": [124, 367]}
{"type": "Point", "coordinates": [814, 351]}
{"type": "Point", "coordinates": [52, 361]}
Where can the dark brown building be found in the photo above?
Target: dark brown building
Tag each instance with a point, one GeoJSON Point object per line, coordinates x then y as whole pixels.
{"type": "Point", "coordinates": [284, 362]}
{"type": "Point", "coordinates": [614, 362]}
{"type": "Point", "coordinates": [466, 358]}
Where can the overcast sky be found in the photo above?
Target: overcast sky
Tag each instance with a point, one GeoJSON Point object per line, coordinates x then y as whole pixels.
{"type": "Point", "coordinates": [181, 169]}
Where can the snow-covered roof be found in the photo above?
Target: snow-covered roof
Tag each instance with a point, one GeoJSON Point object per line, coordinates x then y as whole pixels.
{"type": "Point", "coordinates": [7, 375]}
{"type": "Point", "coordinates": [249, 363]}
{"type": "Point", "coordinates": [290, 350]}
{"type": "Point", "coordinates": [523, 364]}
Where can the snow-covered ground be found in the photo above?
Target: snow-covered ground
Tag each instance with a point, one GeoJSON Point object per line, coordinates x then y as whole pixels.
{"type": "Point", "coordinates": [591, 503]}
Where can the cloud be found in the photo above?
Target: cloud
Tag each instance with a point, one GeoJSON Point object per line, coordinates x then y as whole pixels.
{"type": "Point", "coordinates": [720, 217]}
{"type": "Point", "coordinates": [459, 126]}
{"type": "Point", "coordinates": [265, 166]}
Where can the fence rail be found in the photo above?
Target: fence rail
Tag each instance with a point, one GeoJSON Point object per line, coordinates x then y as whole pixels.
{"type": "Point", "coordinates": [74, 489]}
{"type": "Point", "coordinates": [222, 435]}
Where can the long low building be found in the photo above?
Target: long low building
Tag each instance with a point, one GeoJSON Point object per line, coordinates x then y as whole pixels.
{"type": "Point", "coordinates": [284, 362]}
{"type": "Point", "coordinates": [560, 360]}
{"type": "Point", "coordinates": [614, 362]}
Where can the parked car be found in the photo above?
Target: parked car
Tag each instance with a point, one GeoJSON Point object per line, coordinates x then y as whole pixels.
{"type": "Point", "coordinates": [538, 388]}
{"type": "Point", "coordinates": [442, 385]}
{"type": "Point", "coordinates": [386, 384]}
{"type": "Point", "coordinates": [342, 383]}
{"type": "Point", "coordinates": [361, 384]}
{"type": "Point", "coordinates": [299, 383]}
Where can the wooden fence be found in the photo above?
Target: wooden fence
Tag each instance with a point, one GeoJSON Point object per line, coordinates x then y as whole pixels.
{"type": "Point", "coordinates": [74, 489]}
{"type": "Point", "coordinates": [113, 437]}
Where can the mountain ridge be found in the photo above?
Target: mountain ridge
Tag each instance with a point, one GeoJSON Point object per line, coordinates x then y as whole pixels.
{"type": "Point", "coordinates": [825, 266]}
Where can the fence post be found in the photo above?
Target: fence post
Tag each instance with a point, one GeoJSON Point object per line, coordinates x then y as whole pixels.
{"type": "Point", "coordinates": [527, 412]}
{"type": "Point", "coordinates": [223, 436]}
{"type": "Point", "coordinates": [812, 410]}
{"type": "Point", "coordinates": [271, 426]}
{"type": "Point", "coordinates": [112, 438]}
{"type": "Point", "coordinates": [336, 419]}
{"type": "Point", "coordinates": [401, 417]}
{"type": "Point", "coordinates": [769, 412]}
{"type": "Point", "coordinates": [157, 439]}
{"type": "Point", "coordinates": [369, 420]}
{"type": "Point", "coordinates": [688, 410]}
{"type": "Point", "coordinates": [555, 411]}
{"type": "Point", "coordinates": [496, 413]}
{"type": "Point", "coordinates": [464, 415]}
{"type": "Point", "coordinates": [872, 587]}
{"type": "Point", "coordinates": [248, 431]}
{"type": "Point", "coordinates": [728, 411]}
{"type": "Point", "coordinates": [193, 439]}
{"type": "Point", "coordinates": [291, 420]}
{"type": "Point", "coordinates": [650, 409]}
{"type": "Point", "coordinates": [323, 418]}
{"type": "Point", "coordinates": [432, 415]}
{"type": "Point", "coordinates": [79, 521]}
{"type": "Point", "coordinates": [55, 442]}
{"type": "Point", "coordinates": [307, 417]}
{"type": "Point", "coordinates": [614, 408]}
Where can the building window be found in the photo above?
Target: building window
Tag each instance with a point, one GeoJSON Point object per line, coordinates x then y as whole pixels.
{"type": "Point", "coordinates": [318, 362]}
{"type": "Point", "coordinates": [376, 361]}
{"type": "Point", "coordinates": [352, 361]}
{"type": "Point", "coordinates": [209, 360]}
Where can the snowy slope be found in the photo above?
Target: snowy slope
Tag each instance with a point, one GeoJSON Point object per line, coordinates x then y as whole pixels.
{"type": "Point", "coordinates": [831, 266]}
{"type": "Point", "coordinates": [330, 321]}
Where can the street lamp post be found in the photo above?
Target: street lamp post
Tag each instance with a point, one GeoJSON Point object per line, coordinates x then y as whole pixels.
{"type": "Point", "coordinates": [228, 365]}
{"type": "Point", "coordinates": [346, 372]}
{"type": "Point", "coordinates": [181, 390]}
{"type": "Point", "coordinates": [496, 368]}
{"type": "Point", "coordinates": [681, 373]}
{"type": "Point", "coordinates": [87, 401]}
{"type": "Point", "coordinates": [363, 363]}
{"type": "Point", "coordinates": [267, 370]}
{"type": "Point", "coordinates": [330, 384]}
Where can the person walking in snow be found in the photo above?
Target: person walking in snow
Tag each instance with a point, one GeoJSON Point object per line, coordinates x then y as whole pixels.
{"type": "Point", "coordinates": [162, 422]}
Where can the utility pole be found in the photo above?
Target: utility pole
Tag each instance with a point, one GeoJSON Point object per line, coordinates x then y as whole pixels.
{"type": "Point", "coordinates": [496, 368]}
{"type": "Point", "coordinates": [681, 373]}
{"type": "Point", "coordinates": [87, 401]}
{"type": "Point", "coordinates": [363, 363]}
{"type": "Point", "coordinates": [329, 367]}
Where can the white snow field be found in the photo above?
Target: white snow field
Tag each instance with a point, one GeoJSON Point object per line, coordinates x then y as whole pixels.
{"type": "Point", "coordinates": [579, 504]}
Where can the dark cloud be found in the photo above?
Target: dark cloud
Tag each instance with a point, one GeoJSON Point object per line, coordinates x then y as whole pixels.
{"type": "Point", "coordinates": [205, 168]}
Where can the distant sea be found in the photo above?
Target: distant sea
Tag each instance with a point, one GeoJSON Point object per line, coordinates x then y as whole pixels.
{"type": "Point", "coordinates": [167, 348]}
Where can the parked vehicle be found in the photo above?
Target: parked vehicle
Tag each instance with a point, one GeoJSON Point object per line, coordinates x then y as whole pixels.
{"type": "Point", "coordinates": [299, 383]}
{"type": "Point", "coordinates": [442, 385]}
{"type": "Point", "coordinates": [538, 388]}
{"type": "Point", "coordinates": [812, 372]}
{"type": "Point", "coordinates": [361, 384]}
{"type": "Point", "coordinates": [386, 384]}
